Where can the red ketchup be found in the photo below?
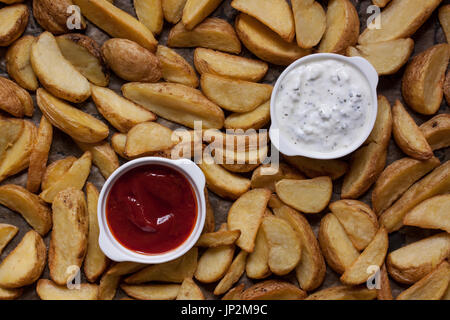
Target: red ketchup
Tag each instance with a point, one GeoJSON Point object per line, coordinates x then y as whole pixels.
{"type": "Point", "coordinates": [151, 209]}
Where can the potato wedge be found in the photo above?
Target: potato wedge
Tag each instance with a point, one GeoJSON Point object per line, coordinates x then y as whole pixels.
{"type": "Point", "coordinates": [343, 293]}
{"type": "Point", "coordinates": [56, 170]}
{"type": "Point", "coordinates": [380, 3]}
{"type": "Point", "coordinates": [382, 131]}
{"type": "Point", "coordinates": [152, 291]}
{"type": "Point", "coordinates": [39, 155]}
{"type": "Point", "coordinates": [284, 245]}
{"type": "Point", "coordinates": [18, 63]}
{"type": "Point", "coordinates": [176, 102]}
{"type": "Point", "coordinates": [213, 33]}
{"type": "Point", "coordinates": [437, 131]}
{"type": "Point", "coordinates": [103, 156]}
{"type": "Point", "coordinates": [336, 245]}
{"type": "Point", "coordinates": [310, 22]}
{"type": "Point", "coordinates": [447, 88]}
{"type": "Point", "coordinates": [25, 263]}
{"type": "Point", "coordinates": [55, 73]}
{"type": "Point", "coordinates": [173, 271]}
{"type": "Point", "coordinates": [10, 131]}
{"type": "Point", "coordinates": [54, 16]}
{"type": "Point", "coordinates": [227, 65]}
{"type": "Point", "coordinates": [214, 263]}
{"type": "Point", "coordinates": [79, 125]}
{"type": "Point", "coordinates": [118, 143]}
{"type": "Point", "coordinates": [342, 29]}
{"type": "Point", "coordinates": [435, 183]}
{"type": "Point", "coordinates": [85, 55]}
{"type": "Point", "coordinates": [444, 19]}
{"type": "Point", "coordinates": [275, 14]}
{"type": "Point", "coordinates": [228, 93]}
{"type": "Point", "coordinates": [358, 220]}
{"type": "Point", "coordinates": [7, 233]}
{"type": "Point", "coordinates": [314, 168]}
{"type": "Point", "coordinates": [175, 68]}
{"type": "Point", "coordinates": [273, 290]}
{"type": "Point", "coordinates": [411, 263]}
{"type": "Point", "coordinates": [116, 22]}
{"type": "Point", "coordinates": [95, 262]}
{"type": "Point", "coordinates": [266, 44]}
{"type": "Point", "coordinates": [385, 292]}
{"type": "Point", "coordinates": [423, 80]}
{"type": "Point", "coordinates": [17, 156]}
{"type": "Point", "coordinates": [240, 168]}
{"type": "Point", "coordinates": [373, 255]}
{"type": "Point", "coordinates": [10, 294]}
{"type": "Point", "coordinates": [431, 287]}
{"type": "Point", "coordinates": [48, 290]}
{"type": "Point", "coordinates": [150, 13]}
{"type": "Point", "coordinates": [255, 119]}
{"type": "Point", "coordinates": [74, 178]}
{"type": "Point", "coordinates": [210, 220]}
{"type": "Point", "coordinates": [401, 19]}
{"type": "Point", "coordinates": [397, 178]}
{"type": "Point", "coordinates": [124, 268]}
{"type": "Point", "coordinates": [262, 178]}
{"type": "Point", "coordinates": [433, 213]}
{"type": "Point", "coordinates": [189, 290]}
{"type": "Point", "coordinates": [386, 57]}
{"type": "Point", "coordinates": [407, 134]}
{"type": "Point", "coordinates": [235, 293]}
{"type": "Point", "coordinates": [195, 11]}
{"type": "Point", "coordinates": [257, 266]}
{"type": "Point", "coordinates": [219, 238]}
{"type": "Point", "coordinates": [308, 196]}
{"type": "Point", "coordinates": [30, 207]}
{"type": "Point", "coordinates": [246, 215]}
{"type": "Point", "coordinates": [14, 99]}
{"type": "Point", "coordinates": [14, 20]}
{"type": "Point", "coordinates": [233, 274]}
{"type": "Point", "coordinates": [69, 240]}
{"type": "Point", "coordinates": [173, 10]}
{"type": "Point", "coordinates": [108, 287]}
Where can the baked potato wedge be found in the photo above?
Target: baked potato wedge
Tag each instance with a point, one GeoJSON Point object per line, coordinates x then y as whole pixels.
{"type": "Point", "coordinates": [255, 119]}
{"type": "Point", "coordinates": [14, 20]}
{"type": "Point", "coordinates": [48, 290]}
{"type": "Point", "coordinates": [444, 19]}
{"type": "Point", "coordinates": [273, 290]}
{"type": "Point", "coordinates": [218, 238]}
{"type": "Point", "coordinates": [189, 290]}
{"type": "Point", "coordinates": [314, 168]}
{"type": "Point", "coordinates": [150, 13]}
{"type": "Point", "coordinates": [173, 10]}
{"type": "Point", "coordinates": [433, 213]}
{"type": "Point", "coordinates": [54, 16]}
{"type": "Point", "coordinates": [108, 287]}
{"type": "Point", "coordinates": [14, 99]}
{"type": "Point", "coordinates": [266, 44]}
{"type": "Point", "coordinates": [343, 293]}
{"type": "Point", "coordinates": [213, 33]}
{"type": "Point", "coordinates": [175, 68]}
{"type": "Point", "coordinates": [10, 131]}
{"type": "Point", "coordinates": [18, 63]}
{"type": "Point", "coordinates": [124, 268]}
{"type": "Point", "coordinates": [263, 178]}
{"type": "Point", "coordinates": [257, 266]}
{"type": "Point", "coordinates": [56, 170]}
{"type": "Point", "coordinates": [103, 156]}
{"type": "Point", "coordinates": [235, 293]}
{"type": "Point", "coordinates": [310, 22]}
{"type": "Point", "coordinates": [423, 80]}
{"type": "Point", "coordinates": [214, 263]}
{"type": "Point", "coordinates": [384, 292]}
{"type": "Point", "coordinates": [233, 274]}
{"type": "Point", "coordinates": [437, 131]}
{"type": "Point", "coordinates": [10, 294]}
{"type": "Point", "coordinates": [210, 220]}
{"type": "Point", "coordinates": [7, 233]}
{"type": "Point", "coordinates": [195, 11]}
{"type": "Point", "coordinates": [152, 291]}
{"type": "Point", "coordinates": [118, 143]}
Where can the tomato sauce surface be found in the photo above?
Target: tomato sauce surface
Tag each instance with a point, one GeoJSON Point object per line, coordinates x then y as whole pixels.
{"type": "Point", "coordinates": [151, 209]}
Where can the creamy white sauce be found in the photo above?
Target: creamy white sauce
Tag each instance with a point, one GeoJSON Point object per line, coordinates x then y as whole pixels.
{"type": "Point", "coordinates": [323, 105]}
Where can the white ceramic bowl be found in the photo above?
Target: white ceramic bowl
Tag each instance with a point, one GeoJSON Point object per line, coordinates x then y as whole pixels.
{"type": "Point", "coordinates": [288, 148]}
{"type": "Point", "coordinates": [117, 252]}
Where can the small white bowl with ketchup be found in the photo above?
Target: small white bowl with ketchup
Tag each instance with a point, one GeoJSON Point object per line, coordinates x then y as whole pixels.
{"type": "Point", "coordinates": [151, 210]}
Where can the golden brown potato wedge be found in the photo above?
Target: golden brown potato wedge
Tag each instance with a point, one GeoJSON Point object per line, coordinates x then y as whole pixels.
{"type": "Point", "coordinates": [435, 183]}
{"type": "Point", "coordinates": [384, 292]}
{"type": "Point", "coordinates": [79, 125]}
{"type": "Point", "coordinates": [444, 19]}
{"type": "Point", "coordinates": [103, 156]}
{"type": "Point", "coordinates": [310, 22]}
{"type": "Point", "coordinates": [30, 207]}
{"type": "Point", "coordinates": [173, 10]}
{"type": "Point", "coordinates": [273, 290]}
{"type": "Point", "coordinates": [25, 263]}
{"type": "Point", "coordinates": [116, 22]}
{"type": "Point", "coordinates": [358, 220]}
{"type": "Point", "coordinates": [96, 262]}
{"type": "Point", "coordinates": [108, 287]}
{"type": "Point", "coordinates": [124, 268]}
{"type": "Point", "coordinates": [381, 132]}
{"type": "Point", "coordinates": [10, 294]}
{"type": "Point", "coordinates": [14, 99]}
{"type": "Point", "coordinates": [423, 80]}
{"type": "Point", "coordinates": [275, 14]}
{"type": "Point", "coordinates": [74, 178]}
{"type": "Point", "coordinates": [39, 155]}
{"type": "Point", "coordinates": [85, 55]}
{"type": "Point", "coordinates": [433, 213]}
{"type": "Point", "coordinates": [56, 170]}
{"type": "Point", "coordinates": [284, 245]}
{"type": "Point", "coordinates": [152, 291]}
{"type": "Point", "coordinates": [401, 19]}
{"type": "Point", "coordinates": [267, 176]}
{"type": "Point", "coordinates": [173, 271]}
{"type": "Point", "coordinates": [314, 168]}
{"type": "Point", "coordinates": [336, 245]}
{"type": "Point", "coordinates": [343, 293]}
{"type": "Point", "coordinates": [10, 131]}
{"type": "Point", "coordinates": [235, 293]}
{"type": "Point", "coordinates": [227, 65]}
{"type": "Point", "coordinates": [195, 11]}
{"type": "Point", "coordinates": [380, 3]}
{"type": "Point", "coordinates": [118, 143]}
{"type": "Point", "coordinates": [308, 196]}
{"type": "Point", "coordinates": [210, 220]}
{"type": "Point", "coordinates": [214, 263]}
{"type": "Point", "coordinates": [257, 266]}
{"type": "Point", "coordinates": [233, 274]}
{"type": "Point", "coordinates": [240, 168]}
{"type": "Point", "coordinates": [252, 156]}
{"type": "Point", "coordinates": [68, 244]}
{"type": "Point", "coordinates": [189, 290]}
{"type": "Point", "coordinates": [54, 16]}
{"type": "Point", "coordinates": [7, 233]}
{"type": "Point", "coordinates": [373, 255]}
{"type": "Point", "coordinates": [266, 44]}
{"type": "Point", "coordinates": [219, 238]}
{"type": "Point", "coordinates": [48, 290]}
{"type": "Point", "coordinates": [150, 13]}
{"type": "Point", "coordinates": [176, 102]}
{"type": "Point", "coordinates": [397, 178]}
{"type": "Point", "coordinates": [407, 134]}
{"type": "Point", "coordinates": [386, 57]}
{"type": "Point", "coordinates": [431, 287]}
{"type": "Point", "coordinates": [246, 215]}
{"type": "Point", "coordinates": [14, 20]}
{"type": "Point", "coordinates": [414, 261]}
{"type": "Point", "coordinates": [18, 63]}
{"type": "Point", "coordinates": [437, 131]}
{"type": "Point", "coordinates": [213, 33]}
{"type": "Point", "coordinates": [228, 93]}
{"type": "Point", "coordinates": [255, 119]}
{"type": "Point", "coordinates": [175, 68]}
{"type": "Point", "coordinates": [342, 27]}
{"type": "Point", "coordinates": [55, 72]}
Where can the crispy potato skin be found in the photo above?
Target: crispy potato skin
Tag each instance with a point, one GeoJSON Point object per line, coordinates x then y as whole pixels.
{"type": "Point", "coordinates": [52, 15]}
{"type": "Point", "coordinates": [14, 99]}
{"type": "Point", "coordinates": [18, 63]}
{"type": "Point", "coordinates": [273, 290]}
{"type": "Point", "coordinates": [17, 27]}
{"type": "Point", "coordinates": [437, 131]}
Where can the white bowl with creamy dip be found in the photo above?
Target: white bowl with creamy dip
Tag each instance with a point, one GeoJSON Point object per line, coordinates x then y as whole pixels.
{"type": "Point", "coordinates": [324, 106]}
